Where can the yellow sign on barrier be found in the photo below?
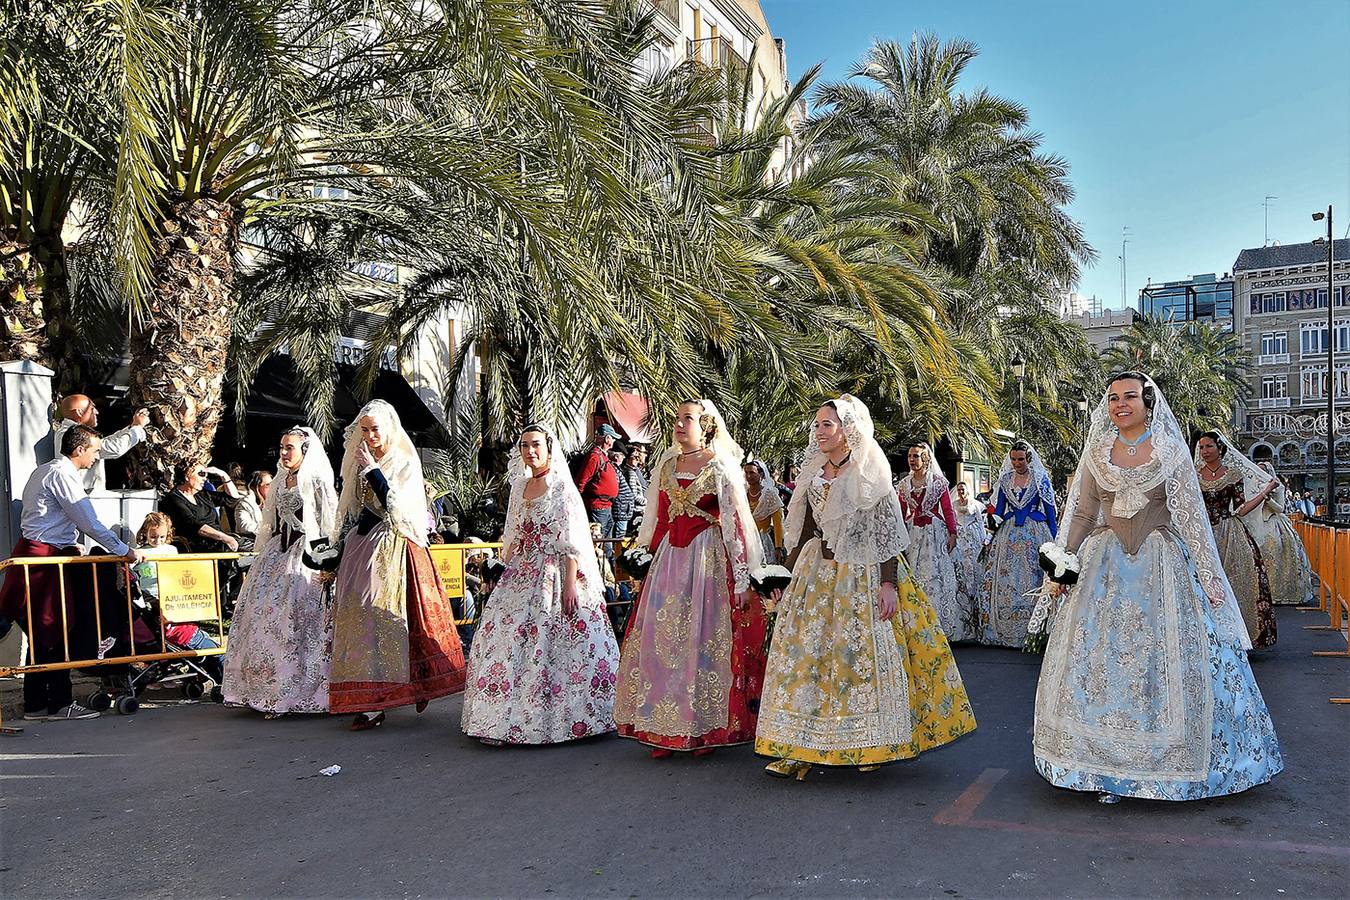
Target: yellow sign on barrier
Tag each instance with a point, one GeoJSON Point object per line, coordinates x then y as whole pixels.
{"type": "Point", "coordinates": [450, 565]}
{"type": "Point", "coordinates": [187, 590]}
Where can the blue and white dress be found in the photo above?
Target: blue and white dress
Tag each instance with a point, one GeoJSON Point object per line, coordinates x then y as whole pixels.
{"type": "Point", "coordinates": [1014, 569]}
{"type": "Point", "coordinates": [1145, 689]}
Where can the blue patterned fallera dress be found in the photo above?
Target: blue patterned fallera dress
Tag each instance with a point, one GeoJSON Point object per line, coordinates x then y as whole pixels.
{"type": "Point", "coordinates": [1014, 568]}
{"type": "Point", "coordinates": [1142, 693]}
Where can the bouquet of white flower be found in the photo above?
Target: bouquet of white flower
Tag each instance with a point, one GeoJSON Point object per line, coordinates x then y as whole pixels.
{"type": "Point", "coordinates": [1059, 564]}
{"type": "Point", "coordinates": [767, 579]}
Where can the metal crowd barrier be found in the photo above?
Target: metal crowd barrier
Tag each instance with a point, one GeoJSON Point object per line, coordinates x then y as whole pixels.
{"type": "Point", "coordinates": [1327, 543]}
{"type": "Point", "coordinates": [189, 592]}
{"type": "Point", "coordinates": [189, 589]}
{"type": "Point", "coordinates": [451, 561]}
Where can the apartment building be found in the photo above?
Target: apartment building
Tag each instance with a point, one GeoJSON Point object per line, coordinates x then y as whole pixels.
{"type": "Point", "coordinates": [1280, 302]}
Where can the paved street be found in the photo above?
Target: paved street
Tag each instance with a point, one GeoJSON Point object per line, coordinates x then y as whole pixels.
{"type": "Point", "coordinates": [200, 800]}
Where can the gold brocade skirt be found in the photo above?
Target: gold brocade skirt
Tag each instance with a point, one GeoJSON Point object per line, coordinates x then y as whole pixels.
{"type": "Point", "coordinates": [843, 687]}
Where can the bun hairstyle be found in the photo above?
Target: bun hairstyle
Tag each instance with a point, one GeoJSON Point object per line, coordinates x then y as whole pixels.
{"type": "Point", "coordinates": [706, 423]}
{"type": "Point", "coordinates": [923, 451]}
{"type": "Point", "coordinates": [1150, 396]}
{"type": "Point", "coordinates": [539, 429]}
{"type": "Point", "coordinates": [1020, 446]}
{"type": "Point", "coordinates": [298, 432]}
{"type": "Point", "coordinates": [1216, 438]}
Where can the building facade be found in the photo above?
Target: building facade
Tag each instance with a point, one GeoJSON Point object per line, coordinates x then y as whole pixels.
{"type": "Point", "coordinates": [1280, 311]}
{"type": "Point", "coordinates": [1102, 330]}
{"type": "Point", "coordinates": [1199, 298]}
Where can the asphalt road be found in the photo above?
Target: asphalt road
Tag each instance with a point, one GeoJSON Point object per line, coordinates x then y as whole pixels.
{"type": "Point", "coordinates": [202, 801]}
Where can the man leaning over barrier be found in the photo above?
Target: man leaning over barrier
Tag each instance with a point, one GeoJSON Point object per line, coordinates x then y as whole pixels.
{"type": "Point", "coordinates": [56, 511]}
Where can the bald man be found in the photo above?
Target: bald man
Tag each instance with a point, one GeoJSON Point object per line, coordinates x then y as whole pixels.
{"type": "Point", "coordinates": [77, 409]}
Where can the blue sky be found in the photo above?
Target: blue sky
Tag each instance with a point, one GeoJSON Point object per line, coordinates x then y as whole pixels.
{"type": "Point", "coordinates": [1177, 118]}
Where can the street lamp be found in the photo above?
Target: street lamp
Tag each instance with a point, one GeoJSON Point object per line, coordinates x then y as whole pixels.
{"type": "Point", "coordinates": [1019, 370]}
{"type": "Point", "coordinates": [1331, 365]}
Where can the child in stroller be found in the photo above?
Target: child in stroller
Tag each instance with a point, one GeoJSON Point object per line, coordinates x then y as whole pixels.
{"type": "Point", "coordinates": [155, 538]}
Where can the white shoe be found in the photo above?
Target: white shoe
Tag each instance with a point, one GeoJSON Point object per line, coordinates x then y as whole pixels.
{"type": "Point", "coordinates": [73, 711]}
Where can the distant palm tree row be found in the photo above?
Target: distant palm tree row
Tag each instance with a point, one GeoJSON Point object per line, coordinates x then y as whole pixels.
{"type": "Point", "coordinates": [593, 228]}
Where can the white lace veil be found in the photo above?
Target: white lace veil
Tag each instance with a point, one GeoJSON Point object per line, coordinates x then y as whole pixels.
{"type": "Point", "coordinates": [564, 508]}
{"type": "Point", "coordinates": [738, 522]}
{"type": "Point", "coordinates": [1253, 477]}
{"type": "Point", "coordinates": [1035, 468]}
{"type": "Point", "coordinates": [860, 520]}
{"type": "Point", "coordinates": [406, 505]}
{"type": "Point", "coordinates": [314, 479]}
{"type": "Point", "coordinates": [934, 483]}
{"type": "Point", "coordinates": [1184, 501]}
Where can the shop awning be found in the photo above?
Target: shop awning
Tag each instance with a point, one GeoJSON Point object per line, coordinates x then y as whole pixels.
{"type": "Point", "coordinates": [628, 413]}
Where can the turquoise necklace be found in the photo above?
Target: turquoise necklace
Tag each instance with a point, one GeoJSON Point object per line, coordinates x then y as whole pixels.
{"type": "Point", "coordinates": [1132, 446]}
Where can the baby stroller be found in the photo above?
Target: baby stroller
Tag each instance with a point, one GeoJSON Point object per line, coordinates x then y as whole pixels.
{"type": "Point", "coordinates": [123, 685]}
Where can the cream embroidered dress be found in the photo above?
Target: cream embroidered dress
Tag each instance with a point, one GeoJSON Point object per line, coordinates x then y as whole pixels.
{"type": "Point", "coordinates": [842, 686]}
{"type": "Point", "coordinates": [281, 638]}
{"type": "Point", "coordinates": [536, 674]}
{"type": "Point", "coordinates": [1145, 690]}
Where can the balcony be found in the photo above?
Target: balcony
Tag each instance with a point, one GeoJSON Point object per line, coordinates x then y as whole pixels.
{"type": "Point", "coordinates": [1273, 403]}
{"type": "Point", "coordinates": [1273, 359]}
{"type": "Point", "coordinates": [715, 53]}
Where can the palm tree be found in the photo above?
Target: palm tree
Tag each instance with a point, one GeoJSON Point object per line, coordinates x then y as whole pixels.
{"type": "Point", "coordinates": [250, 110]}
{"type": "Point", "coordinates": [58, 120]}
{"type": "Point", "coordinates": [998, 203]}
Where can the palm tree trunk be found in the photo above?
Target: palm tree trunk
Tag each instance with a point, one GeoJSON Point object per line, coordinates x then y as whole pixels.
{"type": "Point", "coordinates": [179, 347]}
{"type": "Point", "coordinates": [23, 324]}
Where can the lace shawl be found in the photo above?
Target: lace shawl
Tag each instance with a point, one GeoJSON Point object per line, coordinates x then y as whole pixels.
{"type": "Point", "coordinates": [860, 519]}
{"type": "Point", "coordinates": [1171, 466]}
{"type": "Point", "coordinates": [405, 507]}
{"type": "Point", "coordinates": [314, 482]}
{"type": "Point", "coordinates": [566, 529]}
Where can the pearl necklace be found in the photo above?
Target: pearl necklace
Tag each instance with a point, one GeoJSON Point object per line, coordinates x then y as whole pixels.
{"type": "Point", "coordinates": [1132, 446]}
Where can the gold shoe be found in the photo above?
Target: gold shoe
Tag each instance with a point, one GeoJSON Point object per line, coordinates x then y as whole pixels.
{"type": "Point", "coordinates": [868, 768]}
{"type": "Point", "coordinates": [788, 768]}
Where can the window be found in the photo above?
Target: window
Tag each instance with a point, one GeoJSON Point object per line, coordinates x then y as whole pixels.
{"type": "Point", "coordinates": [1269, 303]}
{"type": "Point", "coordinates": [1273, 342]}
{"type": "Point", "coordinates": [1274, 386]}
{"type": "Point", "coordinates": [1313, 337]}
{"type": "Point", "coordinates": [1312, 382]}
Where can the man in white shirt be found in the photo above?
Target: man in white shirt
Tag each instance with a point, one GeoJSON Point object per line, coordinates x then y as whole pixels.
{"type": "Point", "coordinates": [56, 510]}
{"type": "Point", "coordinates": [77, 409]}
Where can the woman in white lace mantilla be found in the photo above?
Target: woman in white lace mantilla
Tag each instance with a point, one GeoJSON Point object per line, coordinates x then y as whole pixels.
{"type": "Point", "coordinates": [1145, 689]}
{"type": "Point", "coordinates": [281, 638]}
{"type": "Point", "coordinates": [859, 673]}
{"type": "Point", "coordinates": [1287, 566]}
{"type": "Point", "coordinates": [543, 661]}
{"type": "Point", "coordinates": [972, 536]}
{"type": "Point", "coordinates": [1025, 500]}
{"type": "Point", "coordinates": [1224, 473]}
{"type": "Point", "coordinates": [394, 640]}
{"type": "Point", "coordinates": [767, 507]}
{"type": "Point", "coordinates": [693, 657]}
{"type": "Point", "coordinates": [925, 499]}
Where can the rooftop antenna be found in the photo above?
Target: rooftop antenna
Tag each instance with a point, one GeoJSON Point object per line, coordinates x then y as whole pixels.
{"type": "Point", "coordinates": [1266, 204]}
{"type": "Point", "coordinates": [1124, 239]}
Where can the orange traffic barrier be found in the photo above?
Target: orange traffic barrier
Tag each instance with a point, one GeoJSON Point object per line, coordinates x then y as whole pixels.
{"type": "Point", "coordinates": [1328, 546]}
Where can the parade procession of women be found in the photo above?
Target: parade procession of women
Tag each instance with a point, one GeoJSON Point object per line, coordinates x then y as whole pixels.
{"type": "Point", "coordinates": [1146, 588]}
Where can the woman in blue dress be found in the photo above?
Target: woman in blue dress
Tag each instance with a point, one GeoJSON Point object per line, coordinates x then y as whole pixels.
{"type": "Point", "coordinates": [1025, 501]}
{"type": "Point", "coordinates": [1145, 689]}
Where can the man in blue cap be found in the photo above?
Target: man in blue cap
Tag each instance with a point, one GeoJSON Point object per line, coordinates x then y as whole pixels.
{"type": "Point", "coordinates": [598, 481]}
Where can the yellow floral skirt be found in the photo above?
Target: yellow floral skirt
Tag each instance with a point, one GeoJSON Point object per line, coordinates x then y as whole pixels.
{"type": "Point", "coordinates": [843, 687]}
